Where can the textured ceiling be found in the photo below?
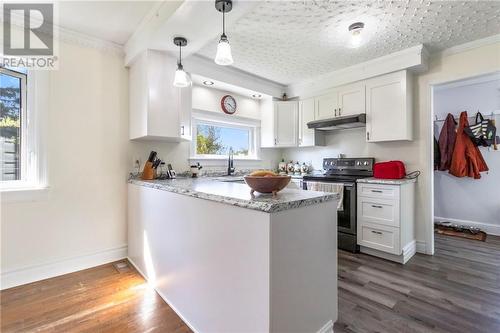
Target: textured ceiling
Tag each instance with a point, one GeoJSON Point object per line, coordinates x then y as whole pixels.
{"type": "Point", "coordinates": [288, 41]}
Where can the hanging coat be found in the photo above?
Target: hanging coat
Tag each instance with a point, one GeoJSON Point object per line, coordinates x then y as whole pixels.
{"type": "Point", "coordinates": [446, 142]}
{"type": "Point", "coordinates": [467, 160]}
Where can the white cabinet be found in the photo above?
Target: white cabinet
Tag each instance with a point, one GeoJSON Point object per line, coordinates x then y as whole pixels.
{"type": "Point", "coordinates": [308, 137]}
{"type": "Point", "coordinates": [351, 99]}
{"type": "Point", "coordinates": [389, 107]}
{"type": "Point", "coordinates": [326, 105]}
{"type": "Point", "coordinates": [286, 123]}
{"type": "Point", "coordinates": [158, 110]}
{"type": "Point", "coordinates": [385, 217]}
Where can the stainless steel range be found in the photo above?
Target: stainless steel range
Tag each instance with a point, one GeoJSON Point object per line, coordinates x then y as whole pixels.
{"type": "Point", "coordinates": [344, 171]}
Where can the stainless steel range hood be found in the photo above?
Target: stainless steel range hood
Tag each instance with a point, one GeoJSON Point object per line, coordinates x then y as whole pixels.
{"type": "Point", "coordinates": [338, 123]}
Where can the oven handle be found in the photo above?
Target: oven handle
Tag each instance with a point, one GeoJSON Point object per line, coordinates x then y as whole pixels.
{"type": "Point", "coordinates": [303, 182]}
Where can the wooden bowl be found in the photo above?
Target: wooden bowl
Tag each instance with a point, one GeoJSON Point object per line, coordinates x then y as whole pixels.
{"type": "Point", "coordinates": [264, 184]}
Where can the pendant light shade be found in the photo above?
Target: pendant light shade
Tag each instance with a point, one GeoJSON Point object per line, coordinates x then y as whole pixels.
{"type": "Point", "coordinates": [181, 78]}
{"type": "Point", "coordinates": [223, 56]}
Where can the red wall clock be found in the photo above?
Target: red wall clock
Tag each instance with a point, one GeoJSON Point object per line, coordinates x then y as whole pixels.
{"type": "Point", "coordinates": [228, 104]}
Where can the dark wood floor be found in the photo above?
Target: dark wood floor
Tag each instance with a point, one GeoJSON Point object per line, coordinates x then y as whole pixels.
{"type": "Point", "coordinates": [457, 290]}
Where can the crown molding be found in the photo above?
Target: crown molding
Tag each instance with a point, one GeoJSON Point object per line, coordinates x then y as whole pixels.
{"type": "Point", "coordinates": [469, 46]}
{"type": "Point", "coordinates": [414, 58]}
{"type": "Point", "coordinates": [63, 34]}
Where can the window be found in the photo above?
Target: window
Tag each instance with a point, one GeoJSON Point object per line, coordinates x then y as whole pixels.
{"type": "Point", "coordinates": [13, 125]}
{"type": "Point", "coordinates": [214, 139]}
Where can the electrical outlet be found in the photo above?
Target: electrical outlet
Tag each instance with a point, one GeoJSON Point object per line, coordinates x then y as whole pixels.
{"type": "Point", "coordinates": [136, 163]}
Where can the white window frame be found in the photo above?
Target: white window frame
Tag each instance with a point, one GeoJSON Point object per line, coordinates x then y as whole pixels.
{"type": "Point", "coordinates": [252, 125]}
{"type": "Point", "coordinates": [33, 184]}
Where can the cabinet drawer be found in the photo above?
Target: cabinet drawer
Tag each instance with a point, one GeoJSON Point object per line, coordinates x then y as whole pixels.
{"type": "Point", "coordinates": [379, 237]}
{"type": "Point", "coordinates": [380, 211]}
{"type": "Point", "coordinates": [378, 191]}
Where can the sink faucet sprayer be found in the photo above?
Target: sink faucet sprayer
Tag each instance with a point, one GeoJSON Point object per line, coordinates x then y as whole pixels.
{"type": "Point", "coordinates": [230, 166]}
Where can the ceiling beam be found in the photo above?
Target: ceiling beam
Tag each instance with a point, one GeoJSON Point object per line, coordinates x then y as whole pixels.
{"type": "Point", "coordinates": [197, 21]}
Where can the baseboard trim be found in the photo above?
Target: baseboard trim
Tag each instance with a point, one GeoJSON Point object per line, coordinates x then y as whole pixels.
{"type": "Point", "coordinates": [327, 328]}
{"type": "Point", "coordinates": [421, 247]}
{"type": "Point", "coordinates": [406, 254]}
{"type": "Point", "coordinates": [24, 275]}
{"type": "Point", "coordinates": [490, 229]}
{"type": "Point", "coordinates": [164, 297]}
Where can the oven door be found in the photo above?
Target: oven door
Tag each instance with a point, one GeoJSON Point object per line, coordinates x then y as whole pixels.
{"type": "Point", "coordinates": [346, 218]}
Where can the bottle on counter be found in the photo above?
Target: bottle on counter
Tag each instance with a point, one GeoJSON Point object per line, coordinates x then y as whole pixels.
{"type": "Point", "coordinates": [296, 169]}
{"type": "Point", "coordinates": [282, 167]}
{"type": "Point", "coordinates": [290, 167]}
{"type": "Point", "coordinates": [304, 169]}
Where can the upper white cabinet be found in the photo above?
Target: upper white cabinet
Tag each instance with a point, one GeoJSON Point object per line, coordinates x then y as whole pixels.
{"type": "Point", "coordinates": [351, 99]}
{"type": "Point", "coordinates": [341, 101]}
{"type": "Point", "coordinates": [308, 137]}
{"type": "Point", "coordinates": [326, 105]}
{"type": "Point", "coordinates": [158, 110]}
{"type": "Point", "coordinates": [286, 123]}
{"type": "Point", "coordinates": [389, 107]}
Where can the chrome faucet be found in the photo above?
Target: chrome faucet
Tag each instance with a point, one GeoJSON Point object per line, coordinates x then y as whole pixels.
{"type": "Point", "coordinates": [230, 162]}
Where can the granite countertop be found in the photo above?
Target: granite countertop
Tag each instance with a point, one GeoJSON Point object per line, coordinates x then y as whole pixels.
{"type": "Point", "coordinates": [228, 190]}
{"type": "Point", "coordinates": [372, 180]}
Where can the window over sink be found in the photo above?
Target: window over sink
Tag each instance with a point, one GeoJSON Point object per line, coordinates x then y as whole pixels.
{"type": "Point", "coordinates": [213, 138]}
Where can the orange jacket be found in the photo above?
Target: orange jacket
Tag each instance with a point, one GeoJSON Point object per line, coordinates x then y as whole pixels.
{"type": "Point", "coordinates": [466, 160]}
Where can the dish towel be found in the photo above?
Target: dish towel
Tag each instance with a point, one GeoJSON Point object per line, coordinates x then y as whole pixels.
{"type": "Point", "coordinates": [330, 188]}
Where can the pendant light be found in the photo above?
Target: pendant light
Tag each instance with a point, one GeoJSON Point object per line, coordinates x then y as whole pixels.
{"type": "Point", "coordinates": [223, 56]}
{"type": "Point", "coordinates": [181, 79]}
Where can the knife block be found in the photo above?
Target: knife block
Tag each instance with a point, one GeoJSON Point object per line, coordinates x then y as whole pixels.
{"type": "Point", "coordinates": [148, 173]}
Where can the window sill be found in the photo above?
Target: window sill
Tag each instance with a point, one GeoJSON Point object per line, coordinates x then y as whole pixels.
{"type": "Point", "coordinates": [222, 158]}
{"type": "Point", "coordinates": [24, 193]}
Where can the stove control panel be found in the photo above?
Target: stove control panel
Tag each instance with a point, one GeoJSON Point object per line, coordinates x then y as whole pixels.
{"type": "Point", "coordinates": [332, 164]}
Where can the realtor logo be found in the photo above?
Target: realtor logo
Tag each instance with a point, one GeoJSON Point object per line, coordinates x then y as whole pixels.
{"type": "Point", "coordinates": [38, 29]}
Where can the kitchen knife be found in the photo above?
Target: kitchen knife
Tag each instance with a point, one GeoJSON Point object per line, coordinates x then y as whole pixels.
{"type": "Point", "coordinates": [152, 156]}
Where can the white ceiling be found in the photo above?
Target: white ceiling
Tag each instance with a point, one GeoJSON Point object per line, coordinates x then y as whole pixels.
{"type": "Point", "coordinates": [288, 41]}
{"type": "Point", "coordinates": [114, 21]}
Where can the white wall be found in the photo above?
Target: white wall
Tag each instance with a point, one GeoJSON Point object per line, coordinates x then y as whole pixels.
{"type": "Point", "coordinates": [467, 199]}
{"type": "Point", "coordinates": [417, 153]}
{"type": "Point", "coordinates": [207, 99]}
{"type": "Point", "coordinates": [87, 152]}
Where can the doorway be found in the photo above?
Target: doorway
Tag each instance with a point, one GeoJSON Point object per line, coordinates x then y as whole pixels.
{"type": "Point", "coordinates": [466, 201]}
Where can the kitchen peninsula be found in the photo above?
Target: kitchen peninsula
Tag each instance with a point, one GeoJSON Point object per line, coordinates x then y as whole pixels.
{"type": "Point", "coordinates": [229, 262]}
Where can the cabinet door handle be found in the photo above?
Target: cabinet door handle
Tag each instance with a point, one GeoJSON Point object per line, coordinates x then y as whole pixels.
{"type": "Point", "coordinates": [376, 232]}
{"type": "Point", "coordinates": [275, 141]}
{"type": "Point", "coordinates": [377, 206]}
{"type": "Point", "coordinates": [377, 191]}
{"type": "Point", "coordinates": [335, 112]}
{"type": "Point", "coordinates": [367, 136]}
{"type": "Point", "coordinates": [182, 130]}
{"type": "Point", "coordinates": [340, 111]}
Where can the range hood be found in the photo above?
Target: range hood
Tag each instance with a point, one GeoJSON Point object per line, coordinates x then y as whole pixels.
{"type": "Point", "coordinates": [337, 123]}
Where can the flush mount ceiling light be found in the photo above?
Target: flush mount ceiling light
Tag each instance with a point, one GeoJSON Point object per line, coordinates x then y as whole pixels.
{"type": "Point", "coordinates": [223, 56]}
{"type": "Point", "coordinates": [208, 83]}
{"type": "Point", "coordinates": [355, 29]}
{"type": "Point", "coordinates": [181, 79]}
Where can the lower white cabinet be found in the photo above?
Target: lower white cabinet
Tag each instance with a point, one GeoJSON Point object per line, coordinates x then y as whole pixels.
{"type": "Point", "coordinates": [385, 216]}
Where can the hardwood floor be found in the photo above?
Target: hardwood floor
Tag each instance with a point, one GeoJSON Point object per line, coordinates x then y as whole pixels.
{"type": "Point", "coordinates": [99, 299]}
{"type": "Point", "coordinates": [457, 290]}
